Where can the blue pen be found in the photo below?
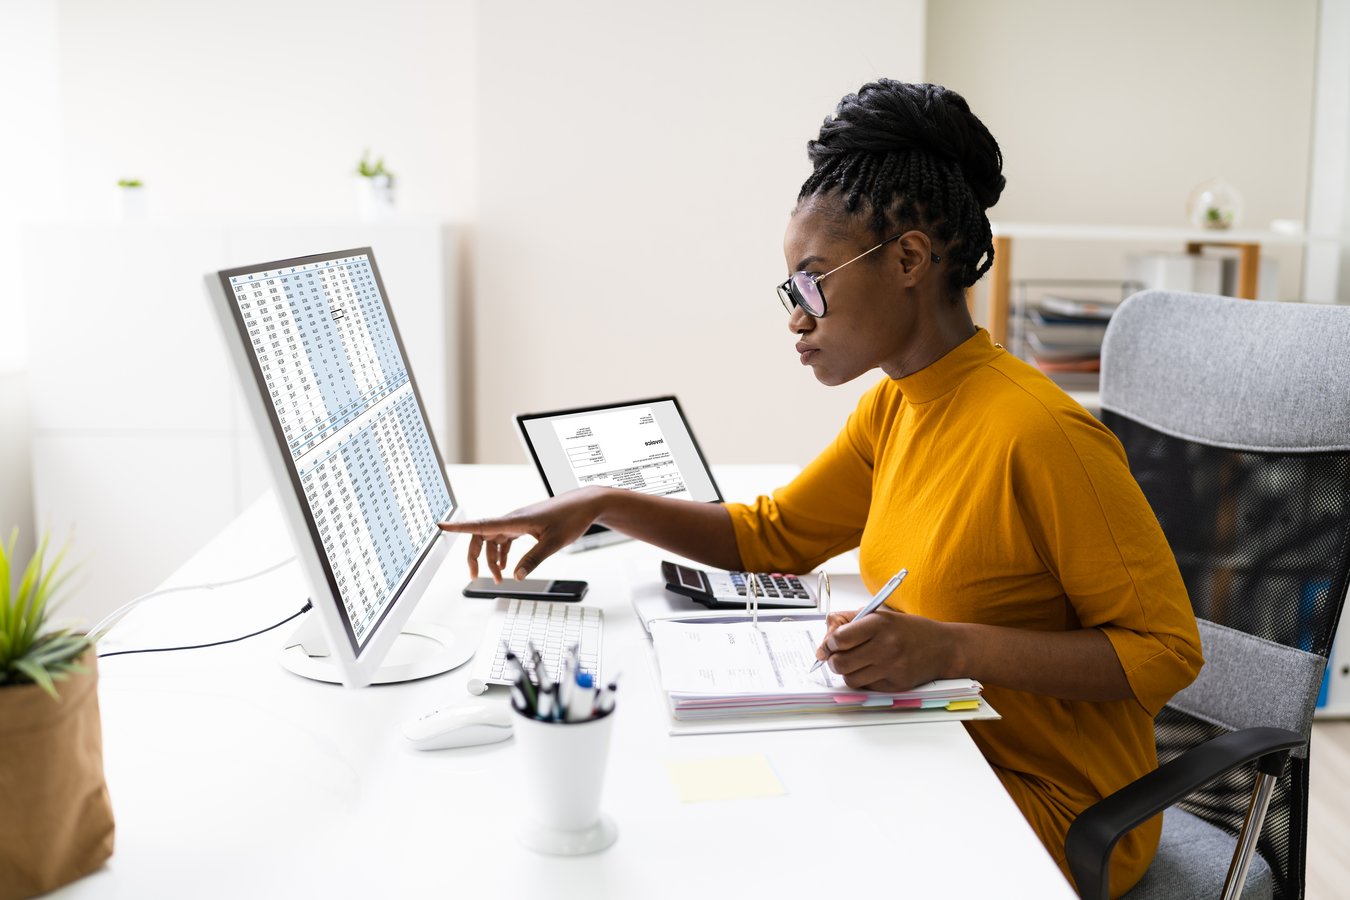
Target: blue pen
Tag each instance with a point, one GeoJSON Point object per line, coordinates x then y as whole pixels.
{"type": "Point", "coordinates": [875, 603]}
{"type": "Point", "coordinates": [582, 701]}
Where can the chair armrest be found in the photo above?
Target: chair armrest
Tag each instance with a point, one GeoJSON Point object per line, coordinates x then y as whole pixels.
{"type": "Point", "coordinates": [1093, 835]}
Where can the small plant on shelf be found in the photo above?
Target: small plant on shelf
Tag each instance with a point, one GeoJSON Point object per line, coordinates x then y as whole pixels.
{"type": "Point", "coordinates": [374, 189]}
{"type": "Point", "coordinates": [375, 170]}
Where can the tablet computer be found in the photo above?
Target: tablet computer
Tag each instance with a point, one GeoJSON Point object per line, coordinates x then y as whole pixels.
{"type": "Point", "coordinates": [639, 445]}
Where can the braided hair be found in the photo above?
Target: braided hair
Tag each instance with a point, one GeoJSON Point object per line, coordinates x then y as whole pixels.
{"type": "Point", "coordinates": [913, 154]}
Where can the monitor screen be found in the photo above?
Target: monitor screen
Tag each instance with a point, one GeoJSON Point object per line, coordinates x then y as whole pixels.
{"type": "Point", "coordinates": [346, 417]}
{"type": "Point", "coordinates": [642, 445]}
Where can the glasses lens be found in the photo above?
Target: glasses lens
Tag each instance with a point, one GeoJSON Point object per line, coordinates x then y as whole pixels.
{"type": "Point", "coordinates": [807, 294]}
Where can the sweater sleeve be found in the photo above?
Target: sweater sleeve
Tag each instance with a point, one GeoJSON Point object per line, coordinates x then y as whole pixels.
{"type": "Point", "coordinates": [821, 512]}
{"type": "Point", "coordinates": [1099, 537]}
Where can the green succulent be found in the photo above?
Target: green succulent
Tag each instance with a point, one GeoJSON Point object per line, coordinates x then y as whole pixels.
{"type": "Point", "coordinates": [30, 652]}
{"type": "Point", "coordinates": [369, 170]}
{"type": "Point", "coordinates": [129, 182]}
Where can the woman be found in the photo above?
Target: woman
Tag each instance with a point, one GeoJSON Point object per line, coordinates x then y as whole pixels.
{"type": "Point", "coordinates": [1036, 565]}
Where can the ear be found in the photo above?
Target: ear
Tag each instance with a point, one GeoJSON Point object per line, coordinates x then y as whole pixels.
{"type": "Point", "coordinates": [916, 256]}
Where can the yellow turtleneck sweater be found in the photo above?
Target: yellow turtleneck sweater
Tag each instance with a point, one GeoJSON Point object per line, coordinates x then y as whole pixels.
{"type": "Point", "coordinates": [1010, 505]}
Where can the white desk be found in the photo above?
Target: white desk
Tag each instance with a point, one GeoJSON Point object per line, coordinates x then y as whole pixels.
{"type": "Point", "coordinates": [231, 777]}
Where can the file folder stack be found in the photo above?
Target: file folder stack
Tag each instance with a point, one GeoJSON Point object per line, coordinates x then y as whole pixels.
{"type": "Point", "coordinates": [712, 670]}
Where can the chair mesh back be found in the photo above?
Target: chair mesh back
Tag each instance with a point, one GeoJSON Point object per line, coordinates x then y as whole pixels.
{"type": "Point", "coordinates": [1263, 543]}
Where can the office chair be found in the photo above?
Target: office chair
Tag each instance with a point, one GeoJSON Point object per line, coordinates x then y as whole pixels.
{"type": "Point", "coordinates": [1235, 416]}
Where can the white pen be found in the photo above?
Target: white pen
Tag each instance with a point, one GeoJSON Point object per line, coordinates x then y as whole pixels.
{"type": "Point", "coordinates": [872, 605]}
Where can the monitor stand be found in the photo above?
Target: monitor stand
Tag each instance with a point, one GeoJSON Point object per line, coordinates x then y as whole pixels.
{"type": "Point", "coordinates": [421, 650]}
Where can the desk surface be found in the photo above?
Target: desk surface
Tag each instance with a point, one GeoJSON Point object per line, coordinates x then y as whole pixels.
{"type": "Point", "coordinates": [232, 777]}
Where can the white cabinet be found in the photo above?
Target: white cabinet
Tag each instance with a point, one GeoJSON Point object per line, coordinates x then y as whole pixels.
{"type": "Point", "coordinates": [141, 447]}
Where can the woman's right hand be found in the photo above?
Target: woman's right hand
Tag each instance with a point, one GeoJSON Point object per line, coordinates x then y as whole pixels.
{"type": "Point", "coordinates": [553, 523]}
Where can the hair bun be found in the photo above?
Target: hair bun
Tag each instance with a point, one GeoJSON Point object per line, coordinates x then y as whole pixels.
{"type": "Point", "coordinates": [886, 116]}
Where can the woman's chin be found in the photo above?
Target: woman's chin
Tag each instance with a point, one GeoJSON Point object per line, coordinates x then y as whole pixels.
{"type": "Point", "coordinates": [831, 378]}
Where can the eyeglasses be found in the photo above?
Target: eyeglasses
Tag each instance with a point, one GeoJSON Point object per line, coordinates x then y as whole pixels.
{"type": "Point", "coordinates": [803, 289]}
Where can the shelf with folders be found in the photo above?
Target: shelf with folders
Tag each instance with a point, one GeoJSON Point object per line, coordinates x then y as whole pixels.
{"type": "Point", "coordinates": [1057, 325]}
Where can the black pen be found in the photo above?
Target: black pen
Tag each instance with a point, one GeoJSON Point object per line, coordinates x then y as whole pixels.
{"type": "Point", "coordinates": [537, 661]}
{"type": "Point", "coordinates": [518, 699]}
{"type": "Point", "coordinates": [604, 700]}
{"type": "Point", "coordinates": [522, 683]}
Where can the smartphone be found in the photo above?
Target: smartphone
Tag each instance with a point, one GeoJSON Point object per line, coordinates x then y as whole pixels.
{"type": "Point", "coordinates": [529, 589]}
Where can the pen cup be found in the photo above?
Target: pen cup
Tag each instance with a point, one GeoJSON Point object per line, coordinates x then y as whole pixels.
{"type": "Point", "coordinates": [562, 770]}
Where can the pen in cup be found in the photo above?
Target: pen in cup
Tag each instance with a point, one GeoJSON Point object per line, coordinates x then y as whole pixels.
{"type": "Point", "coordinates": [573, 697]}
{"type": "Point", "coordinates": [581, 703]}
{"type": "Point", "coordinates": [523, 692]}
{"type": "Point", "coordinates": [873, 605]}
{"type": "Point", "coordinates": [566, 683]}
{"type": "Point", "coordinates": [604, 699]}
{"type": "Point", "coordinates": [540, 673]}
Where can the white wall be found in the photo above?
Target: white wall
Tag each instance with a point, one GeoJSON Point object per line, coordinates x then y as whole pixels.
{"type": "Point", "coordinates": [252, 110]}
{"type": "Point", "coordinates": [29, 124]}
{"type": "Point", "coordinates": [1110, 113]}
{"type": "Point", "coordinates": [16, 487]}
{"type": "Point", "coordinates": [1328, 265]}
{"type": "Point", "coordinates": [628, 168]}
{"type": "Point", "coordinates": [265, 106]}
{"type": "Point", "coordinates": [637, 165]}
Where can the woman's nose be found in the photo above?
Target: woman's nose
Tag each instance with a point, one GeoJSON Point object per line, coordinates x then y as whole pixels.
{"type": "Point", "coordinates": [799, 322]}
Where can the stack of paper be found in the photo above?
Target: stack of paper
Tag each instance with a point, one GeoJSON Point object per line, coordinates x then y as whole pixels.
{"type": "Point", "coordinates": [713, 669]}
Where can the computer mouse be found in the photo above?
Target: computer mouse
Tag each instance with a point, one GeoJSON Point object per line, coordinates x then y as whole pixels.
{"type": "Point", "coordinates": [462, 725]}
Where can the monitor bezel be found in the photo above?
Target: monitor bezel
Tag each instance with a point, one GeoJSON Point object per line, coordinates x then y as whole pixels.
{"type": "Point", "coordinates": [358, 660]}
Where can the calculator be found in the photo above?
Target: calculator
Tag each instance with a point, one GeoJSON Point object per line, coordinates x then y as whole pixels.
{"type": "Point", "coordinates": [729, 590]}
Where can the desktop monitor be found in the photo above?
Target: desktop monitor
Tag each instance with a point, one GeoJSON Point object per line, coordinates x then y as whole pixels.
{"type": "Point", "coordinates": [356, 469]}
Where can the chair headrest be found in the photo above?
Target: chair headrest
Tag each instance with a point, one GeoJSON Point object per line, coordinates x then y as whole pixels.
{"type": "Point", "coordinates": [1242, 374]}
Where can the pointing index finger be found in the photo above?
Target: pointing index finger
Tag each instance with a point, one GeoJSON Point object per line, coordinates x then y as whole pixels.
{"type": "Point", "coordinates": [484, 526]}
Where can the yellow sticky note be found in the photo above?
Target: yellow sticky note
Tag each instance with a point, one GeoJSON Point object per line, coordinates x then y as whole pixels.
{"type": "Point", "coordinates": [956, 705]}
{"type": "Point", "coordinates": [723, 778]}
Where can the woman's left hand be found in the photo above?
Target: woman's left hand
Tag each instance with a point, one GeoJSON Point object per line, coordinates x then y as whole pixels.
{"type": "Point", "coordinates": [888, 650]}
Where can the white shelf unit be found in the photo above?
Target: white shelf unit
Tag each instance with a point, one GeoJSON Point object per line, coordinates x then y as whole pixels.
{"type": "Point", "coordinates": [141, 444]}
{"type": "Point", "coordinates": [1336, 704]}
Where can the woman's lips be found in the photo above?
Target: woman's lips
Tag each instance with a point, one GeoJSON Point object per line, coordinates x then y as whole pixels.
{"type": "Point", "coordinates": [807, 352]}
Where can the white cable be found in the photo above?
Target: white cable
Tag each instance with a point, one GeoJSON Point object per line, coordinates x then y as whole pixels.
{"type": "Point", "coordinates": [111, 619]}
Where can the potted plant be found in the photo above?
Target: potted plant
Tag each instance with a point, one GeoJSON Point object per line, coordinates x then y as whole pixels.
{"type": "Point", "coordinates": [56, 820]}
{"type": "Point", "coordinates": [374, 189]}
{"type": "Point", "coordinates": [1215, 204]}
{"type": "Point", "coordinates": [132, 191]}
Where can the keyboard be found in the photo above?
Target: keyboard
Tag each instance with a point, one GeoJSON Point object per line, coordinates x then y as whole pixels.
{"type": "Point", "coordinates": [553, 627]}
